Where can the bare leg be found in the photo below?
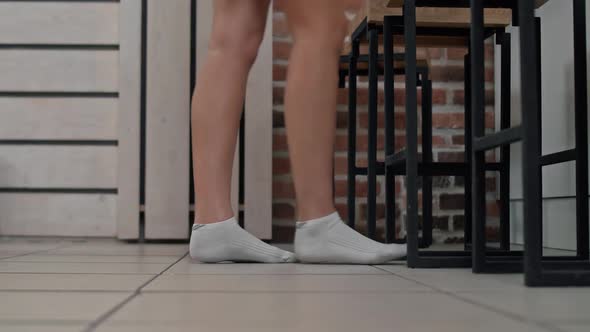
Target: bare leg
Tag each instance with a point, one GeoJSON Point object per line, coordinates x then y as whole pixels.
{"type": "Point", "coordinates": [238, 29]}
{"type": "Point", "coordinates": [318, 28]}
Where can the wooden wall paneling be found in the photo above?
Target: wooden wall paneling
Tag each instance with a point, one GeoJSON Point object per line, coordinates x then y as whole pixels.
{"type": "Point", "coordinates": [167, 126]}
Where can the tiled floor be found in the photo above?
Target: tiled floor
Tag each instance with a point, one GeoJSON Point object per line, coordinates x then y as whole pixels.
{"type": "Point", "coordinates": [104, 285]}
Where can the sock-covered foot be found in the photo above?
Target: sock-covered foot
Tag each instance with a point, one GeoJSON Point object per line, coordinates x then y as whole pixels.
{"type": "Point", "coordinates": [330, 240]}
{"type": "Point", "coordinates": [227, 241]}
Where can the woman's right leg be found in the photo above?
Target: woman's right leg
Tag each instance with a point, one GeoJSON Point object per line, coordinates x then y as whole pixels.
{"type": "Point", "coordinates": [238, 29]}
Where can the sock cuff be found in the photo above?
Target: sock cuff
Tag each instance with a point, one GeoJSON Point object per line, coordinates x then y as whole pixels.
{"type": "Point", "coordinates": [219, 223]}
{"type": "Point", "coordinates": [332, 216]}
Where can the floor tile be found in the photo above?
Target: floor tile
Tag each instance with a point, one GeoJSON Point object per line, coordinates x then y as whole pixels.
{"type": "Point", "coordinates": [456, 280]}
{"type": "Point", "coordinates": [574, 327]}
{"type": "Point", "coordinates": [72, 282]}
{"type": "Point", "coordinates": [42, 258]}
{"type": "Point", "coordinates": [321, 326]}
{"type": "Point", "coordinates": [539, 304]}
{"type": "Point", "coordinates": [282, 283]}
{"type": "Point", "coordinates": [311, 311]}
{"type": "Point", "coordinates": [189, 266]}
{"type": "Point", "coordinates": [129, 268]}
{"type": "Point", "coordinates": [121, 248]}
{"type": "Point", "coordinates": [32, 306]}
{"type": "Point", "coordinates": [43, 326]}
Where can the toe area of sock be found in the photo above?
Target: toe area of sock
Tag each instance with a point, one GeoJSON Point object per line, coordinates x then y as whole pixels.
{"type": "Point", "coordinates": [288, 257]}
{"type": "Point", "coordinates": [394, 252]}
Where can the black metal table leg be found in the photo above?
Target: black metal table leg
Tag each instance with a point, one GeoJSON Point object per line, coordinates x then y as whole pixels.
{"type": "Point", "coordinates": [468, 148]}
{"type": "Point", "coordinates": [390, 224]}
{"type": "Point", "coordinates": [427, 159]}
{"type": "Point", "coordinates": [352, 94]}
{"type": "Point", "coordinates": [478, 130]}
{"type": "Point", "coordinates": [505, 100]}
{"type": "Point", "coordinates": [581, 127]}
{"type": "Point", "coordinates": [409, 12]}
{"type": "Point", "coordinates": [531, 150]}
{"type": "Point", "coordinates": [373, 35]}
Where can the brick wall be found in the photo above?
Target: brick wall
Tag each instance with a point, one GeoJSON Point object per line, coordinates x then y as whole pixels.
{"type": "Point", "coordinates": [446, 67]}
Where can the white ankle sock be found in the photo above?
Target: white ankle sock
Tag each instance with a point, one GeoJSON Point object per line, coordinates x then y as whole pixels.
{"type": "Point", "coordinates": [227, 241]}
{"type": "Point", "coordinates": [330, 240]}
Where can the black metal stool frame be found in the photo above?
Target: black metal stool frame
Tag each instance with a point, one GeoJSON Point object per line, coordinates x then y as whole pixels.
{"type": "Point", "coordinates": [353, 170]}
{"type": "Point", "coordinates": [539, 270]}
{"type": "Point", "coordinates": [427, 259]}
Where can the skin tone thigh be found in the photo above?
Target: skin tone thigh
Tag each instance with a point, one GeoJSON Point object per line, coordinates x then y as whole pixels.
{"type": "Point", "coordinates": [238, 29]}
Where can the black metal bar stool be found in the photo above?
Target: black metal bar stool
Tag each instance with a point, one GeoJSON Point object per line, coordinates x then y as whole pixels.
{"type": "Point", "coordinates": [373, 65]}
{"type": "Point", "coordinates": [539, 270]}
{"type": "Point", "coordinates": [441, 28]}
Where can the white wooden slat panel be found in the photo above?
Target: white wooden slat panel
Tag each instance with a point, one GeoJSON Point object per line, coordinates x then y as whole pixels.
{"type": "Point", "coordinates": [168, 119]}
{"type": "Point", "coordinates": [25, 22]}
{"type": "Point", "coordinates": [59, 70]}
{"type": "Point", "coordinates": [57, 214]}
{"type": "Point", "coordinates": [559, 223]}
{"type": "Point", "coordinates": [129, 119]}
{"type": "Point", "coordinates": [258, 142]}
{"type": "Point", "coordinates": [46, 166]}
{"type": "Point", "coordinates": [203, 33]}
{"type": "Point", "coordinates": [58, 118]}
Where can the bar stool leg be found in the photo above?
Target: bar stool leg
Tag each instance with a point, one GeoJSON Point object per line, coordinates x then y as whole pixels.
{"type": "Point", "coordinates": [389, 78]}
{"type": "Point", "coordinates": [352, 93]}
{"type": "Point", "coordinates": [530, 147]}
{"type": "Point", "coordinates": [409, 12]}
{"type": "Point", "coordinates": [581, 119]}
{"type": "Point", "coordinates": [427, 158]}
{"type": "Point", "coordinates": [505, 88]}
{"type": "Point", "coordinates": [468, 148]}
{"type": "Point", "coordinates": [478, 127]}
{"type": "Point", "coordinates": [372, 133]}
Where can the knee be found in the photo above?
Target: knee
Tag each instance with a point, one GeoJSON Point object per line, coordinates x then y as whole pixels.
{"type": "Point", "coordinates": [240, 42]}
{"type": "Point", "coordinates": [326, 34]}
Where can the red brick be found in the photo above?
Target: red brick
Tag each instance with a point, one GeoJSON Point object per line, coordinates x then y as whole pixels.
{"type": "Point", "coordinates": [448, 120]}
{"type": "Point", "coordinates": [283, 189]}
{"type": "Point", "coordinates": [457, 156]}
{"type": "Point", "coordinates": [283, 211]}
{"type": "Point", "coordinates": [279, 73]}
{"type": "Point", "coordinates": [400, 120]}
{"type": "Point", "coordinates": [452, 201]}
{"type": "Point", "coordinates": [447, 73]}
{"type": "Point", "coordinates": [456, 53]}
{"type": "Point", "coordinates": [279, 142]}
{"type": "Point", "coordinates": [459, 97]}
{"type": "Point", "coordinates": [281, 166]}
{"type": "Point", "coordinates": [429, 53]}
{"type": "Point", "coordinates": [361, 188]}
{"type": "Point", "coordinates": [281, 50]}
{"type": "Point", "coordinates": [278, 95]}
{"type": "Point", "coordinates": [493, 209]}
{"type": "Point", "coordinates": [458, 139]}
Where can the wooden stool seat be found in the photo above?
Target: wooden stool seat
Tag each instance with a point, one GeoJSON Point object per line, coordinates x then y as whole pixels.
{"type": "Point", "coordinates": [375, 10]}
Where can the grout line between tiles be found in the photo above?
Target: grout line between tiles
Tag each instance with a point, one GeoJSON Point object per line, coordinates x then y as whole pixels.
{"type": "Point", "coordinates": [516, 317]}
{"type": "Point", "coordinates": [36, 252]}
{"type": "Point", "coordinates": [85, 273]}
{"type": "Point", "coordinates": [397, 291]}
{"type": "Point", "coordinates": [94, 324]}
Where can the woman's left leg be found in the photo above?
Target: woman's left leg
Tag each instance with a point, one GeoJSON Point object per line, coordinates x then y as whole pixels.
{"type": "Point", "coordinates": [318, 29]}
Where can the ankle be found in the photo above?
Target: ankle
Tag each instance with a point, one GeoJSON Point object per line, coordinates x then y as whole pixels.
{"type": "Point", "coordinates": [206, 219]}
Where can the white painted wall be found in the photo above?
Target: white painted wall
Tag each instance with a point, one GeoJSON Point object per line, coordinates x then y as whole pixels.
{"type": "Point", "coordinates": [557, 124]}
